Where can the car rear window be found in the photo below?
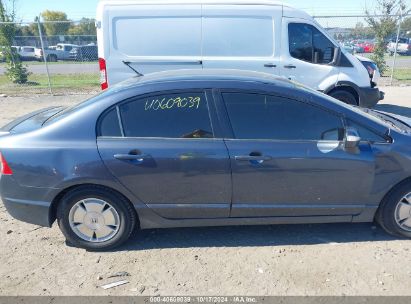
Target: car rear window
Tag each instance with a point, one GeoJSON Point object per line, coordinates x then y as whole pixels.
{"type": "Point", "coordinates": [110, 125]}
{"type": "Point", "coordinates": [183, 115]}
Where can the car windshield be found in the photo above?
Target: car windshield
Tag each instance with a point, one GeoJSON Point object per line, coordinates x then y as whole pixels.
{"type": "Point", "coordinates": [392, 121]}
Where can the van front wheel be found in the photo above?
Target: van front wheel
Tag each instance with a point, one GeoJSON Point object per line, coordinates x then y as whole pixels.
{"type": "Point", "coordinates": [344, 96]}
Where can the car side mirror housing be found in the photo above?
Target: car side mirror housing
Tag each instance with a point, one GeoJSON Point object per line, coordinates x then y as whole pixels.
{"type": "Point", "coordinates": [336, 57]}
{"type": "Point", "coordinates": [352, 138]}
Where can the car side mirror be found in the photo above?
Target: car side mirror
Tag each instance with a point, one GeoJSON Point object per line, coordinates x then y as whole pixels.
{"type": "Point", "coordinates": [352, 138]}
{"type": "Point", "coordinates": [336, 57]}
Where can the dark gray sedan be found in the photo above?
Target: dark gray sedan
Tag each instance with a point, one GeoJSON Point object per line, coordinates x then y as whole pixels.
{"type": "Point", "coordinates": [199, 148]}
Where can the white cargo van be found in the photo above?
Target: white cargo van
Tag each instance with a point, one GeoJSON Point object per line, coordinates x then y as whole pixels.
{"type": "Point", "coordinates": [262, 35]}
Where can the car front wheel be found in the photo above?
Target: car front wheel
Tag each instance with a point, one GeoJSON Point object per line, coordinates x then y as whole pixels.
{"type": "Point", "coordinates": [394, 214]}
{"type": "Point", "coordinates": [95, 218]}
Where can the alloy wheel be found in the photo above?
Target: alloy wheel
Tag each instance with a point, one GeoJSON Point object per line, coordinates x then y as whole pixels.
{"type": "Point", "coordinates": [94, 220]}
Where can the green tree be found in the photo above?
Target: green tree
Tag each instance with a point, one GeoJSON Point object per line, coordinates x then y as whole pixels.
{"type": "Point", "coordinates": [51, 24]}
{"type": "Point", "coordinates": [383, 22]}
{"type": "Point", "coordinates": [34, 27]}
{"type": "Point", "coordinates": [15, 70]}
{"type": "Point", "coordinates": [406, 27]}
{"type": "Point", "coordinates": [86, 26]}
{"type": "Point", "coordinates": [361, 32]}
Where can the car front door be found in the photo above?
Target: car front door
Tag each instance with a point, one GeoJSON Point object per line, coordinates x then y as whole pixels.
{"type": "Point", "coordinates": [288, 159]}
{"type": "Point", "coordinates": [307, 55]}
{"type": "Point", "coordinates": [166, 151]}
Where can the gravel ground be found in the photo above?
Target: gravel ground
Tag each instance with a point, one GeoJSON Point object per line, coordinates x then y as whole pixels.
{"type": "Point", "coordinates": [334, 259]}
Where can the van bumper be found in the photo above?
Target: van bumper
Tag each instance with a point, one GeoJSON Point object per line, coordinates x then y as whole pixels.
{"type": "Point", "coordinates": [369, 97]}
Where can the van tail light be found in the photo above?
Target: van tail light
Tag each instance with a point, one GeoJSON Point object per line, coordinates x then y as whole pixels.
{"type": "Point", "coordinates": [4, 167]}
{"type": "Point", "coordinates": [103, 73]}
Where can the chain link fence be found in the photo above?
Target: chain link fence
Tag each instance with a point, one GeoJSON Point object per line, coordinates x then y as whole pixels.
{"type": "Point", "coordinates": [61, 56]}
{"type": "Point", "coordinates": [354, 35]}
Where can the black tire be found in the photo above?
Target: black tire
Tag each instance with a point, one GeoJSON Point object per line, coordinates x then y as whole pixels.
{"type": "Point", "coordinates": [344, 96]}
{"type": "Point", "coordinates": [125, 210]}
{"type": "Point", "coordinates": [52, 58]}
{"type": "Point", "coordinates": [386, 214]}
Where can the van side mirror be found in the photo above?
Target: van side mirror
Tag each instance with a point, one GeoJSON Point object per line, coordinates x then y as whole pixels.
{"type": "Point", "coordinates": [337, 56]}
{"type": "Point", "coordinates": [352, 138]}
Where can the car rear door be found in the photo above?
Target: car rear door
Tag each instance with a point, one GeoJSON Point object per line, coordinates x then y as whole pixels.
{"type": "Point", "coordinates": [165, 149]}
{"type": "Point", "coordinates": [288, 159]}
{"type": "Point", "coordinates": [245, 37]}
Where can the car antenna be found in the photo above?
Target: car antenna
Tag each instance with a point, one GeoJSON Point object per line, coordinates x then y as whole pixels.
{"type": "Point", "coordinates": [128, 63]}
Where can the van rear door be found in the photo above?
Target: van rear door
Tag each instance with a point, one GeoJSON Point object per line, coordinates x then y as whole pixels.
{"type": "Point", "coordinates": [242, 37]}
{"type": "Point", "coordinates": [151, 38]}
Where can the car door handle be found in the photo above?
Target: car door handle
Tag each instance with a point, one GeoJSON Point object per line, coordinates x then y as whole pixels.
{"type": "Point", "coordinates": [252, 158]}
{"type": "Point", "coordinates": [270, 65]}
{"type": "Point", "coordinates": [138, 157]}
{"type": "Point", "coordinates": [290, 66]}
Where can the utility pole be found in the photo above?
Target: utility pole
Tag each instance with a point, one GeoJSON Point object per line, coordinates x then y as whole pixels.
{"type": "Point", "coordinates": [44, 54]}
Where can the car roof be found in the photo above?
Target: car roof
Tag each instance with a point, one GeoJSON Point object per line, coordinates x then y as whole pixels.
{"type": "Point", "coordinates": [177, 2]}
{"type": "Point", "coordinates": [204, 75]}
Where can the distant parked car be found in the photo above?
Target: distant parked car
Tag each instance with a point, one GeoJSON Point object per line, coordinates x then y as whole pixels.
{"type": "Point", "coordinates": [27, 52]}
{"type": "Point", "coordinates": [59, 52]}
{"type": "Point", "coordinates": [348, 47]}
{"type": "Point", "coordinates": [358, 49]}
{"type": "Point", "coordinates": [368, 47]}
{"type": "Point", "coordinates": [353, 48]}
{"type": "Point", "coordinates": [403, 48]}
{"type": "Point", "coordinates": [84, 53]}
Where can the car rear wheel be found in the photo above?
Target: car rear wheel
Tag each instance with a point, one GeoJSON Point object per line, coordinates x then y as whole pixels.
{"type": "Point", "coordinates": [394, 214]}
{"type": "Point", "coordinates": [96, 218]}
{"type": "Point", "coordinates": [344, 96]}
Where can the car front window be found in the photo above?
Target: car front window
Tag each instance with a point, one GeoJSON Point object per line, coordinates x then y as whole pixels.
{"type": "Point", "coordinates": [258, 116]}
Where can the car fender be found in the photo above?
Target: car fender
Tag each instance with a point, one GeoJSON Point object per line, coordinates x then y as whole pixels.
{"type": "Point", "coordinates": [329, 81]}
{"type": "Point", "coordinates": [343, 83]}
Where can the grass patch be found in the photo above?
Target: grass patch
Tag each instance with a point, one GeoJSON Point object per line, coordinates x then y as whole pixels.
{"type": "Point", "coordinates": [402, 74]}
{"type": "Point", "coordinates": [74, 83]}
{"type": "Point", "coordinates": [389, 58]}
{"type": "Point", "coordinates": [29, 62]}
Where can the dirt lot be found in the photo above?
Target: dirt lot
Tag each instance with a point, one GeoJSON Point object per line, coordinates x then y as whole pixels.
{"type": "Point", "coordinates": [337, 259]}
